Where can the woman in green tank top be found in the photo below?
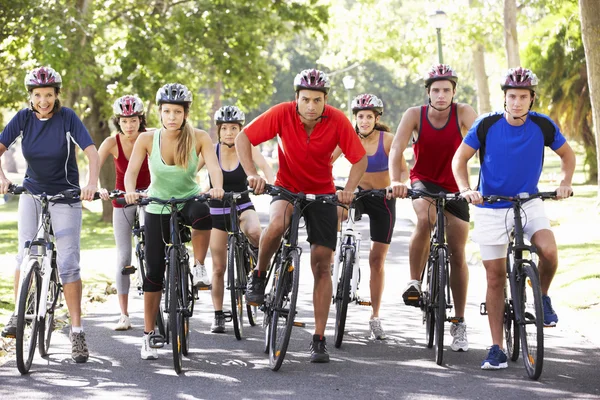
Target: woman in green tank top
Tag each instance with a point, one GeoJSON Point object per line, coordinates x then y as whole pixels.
{"type": "Point", "coordinates": [173, 155]}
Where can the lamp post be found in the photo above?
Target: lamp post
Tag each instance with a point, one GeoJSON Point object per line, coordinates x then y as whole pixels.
{"type": "Point", "coordinates": [439, 20]}
{"type": "Point", "coordinates": [349, 82]}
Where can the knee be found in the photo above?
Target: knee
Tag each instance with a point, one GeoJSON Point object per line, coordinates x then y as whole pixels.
{"type": "Point", "coordinates": [377, 262]}
{"type": "Point", "coordinates": [69, 275]}
{"type": "Point", "coordinates": [495, 280]}
{"type": "Point", "coordinates": [548, 253]}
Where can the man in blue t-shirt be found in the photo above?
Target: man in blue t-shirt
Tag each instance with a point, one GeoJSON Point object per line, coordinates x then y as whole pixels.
{"type": "Point", "coordinates": [511, 149]}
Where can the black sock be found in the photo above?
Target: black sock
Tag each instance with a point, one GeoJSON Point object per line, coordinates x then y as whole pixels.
{"type": "Point", "coordinates": [217, 313]}
{"type": "Point", "coordinates": [318, 338]}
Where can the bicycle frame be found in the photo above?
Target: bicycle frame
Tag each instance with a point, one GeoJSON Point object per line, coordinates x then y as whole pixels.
{"type": "Point", "coordinates": [347, 238]}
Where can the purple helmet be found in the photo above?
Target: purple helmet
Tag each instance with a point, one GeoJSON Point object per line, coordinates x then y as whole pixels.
{"type": "Point", "coordinates": [42, 77]}
{"type": "Point", "coordinates": [519, 78]}
{"type": "Point", "coordinates": [367, 102]}
{"type": "Point", "coordinates": [229, 114]}
{"type": "Point", "coordinates": [128, 106]}
{"type": "Point", "coordinates": [174, 93]}
{"type": "Point", "coordinates": [312, 79]}
{"type": "Point", "coordinates": [440, 72]}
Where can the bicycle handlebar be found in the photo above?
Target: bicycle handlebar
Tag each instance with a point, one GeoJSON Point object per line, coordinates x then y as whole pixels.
{"type": "Point", "coordinates": [273, 190]}
{"type": "Point", "coordinates": [143, 201]}
{"type": "Point", "coordinates": [416, 194]}
{"type": "Point", "coordinates": [521, 197]}
{"type": "Point", "coordinates": [65, 194]}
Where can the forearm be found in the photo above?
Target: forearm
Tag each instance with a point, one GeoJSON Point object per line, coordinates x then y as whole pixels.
{"type": "Point", "coordinates": [94, 166]}
{"type": "Point", "coordinates": [216, 176]}
{"type": "Point", "coordinates": [356, 172]}
{"type": "Point", "coordinates": [567, 167]}
{"type": "Point", "coordinates": [461, 174]}
{"type": "Point", "coordinates": [397, 164]}
{"type": "Point", "coordinates": [243, 148]}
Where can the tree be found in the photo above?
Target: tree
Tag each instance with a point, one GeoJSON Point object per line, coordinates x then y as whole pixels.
{"type": "Point", "coordinates": [510, 34]}
{"type": "Point", "coordinates": [590, 30]}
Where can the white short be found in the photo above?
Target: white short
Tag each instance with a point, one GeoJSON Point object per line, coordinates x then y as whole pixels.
{"type": "Point", "coordinates": [493, 227]}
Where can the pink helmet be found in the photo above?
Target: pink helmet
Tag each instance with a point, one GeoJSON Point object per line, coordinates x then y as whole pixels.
{"type": "Point", "coordinates": [312, 79]}
{"type": "Point", "coordinates": [128, 106]}
{"type": "Point", "coordinates": [367, 102]}
{"type": "Point", "coordinates": [440, 72]}
{"type": "Point", "coordinates": [42, 77]}
{"type": "Point", "coordinates": [519, 78]}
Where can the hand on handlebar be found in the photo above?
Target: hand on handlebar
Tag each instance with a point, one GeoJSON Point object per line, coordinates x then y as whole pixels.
{"type": "Point", "coordinates": [132, 197]}
{"type": "Point", "coordinates": [4, 184]}
{"type": "Point", "coordinates": [397, 189]}
{"type": "Point", "coordinates": [472, 196]}
{"type": "Point", "coordinates": [345, 196]}
{"type": "Point", "coordinates": [88, 192]}
{"type": "Point", "coordinates": [257, 183]}
{"type": "Point", "coordinates": [563, 191]}
{"type": "Point", "coordinates": [216, 193]}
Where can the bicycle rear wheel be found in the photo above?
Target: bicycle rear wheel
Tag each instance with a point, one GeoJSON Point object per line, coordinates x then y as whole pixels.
{"type": "Point", "coordinates": [531, 326]}
{"type": "Point", "coordinates": [511, 330]}
{"type": "Point", "coordinates": [175, 305]}
{"type": "Point", "coordinates": [234, 268]}
{"type": "Point", "coordinates": [440, 305]}
{"type": "Point", "coordinates": [342, 297]}
{"type": "Point", "coordinates": [47, 324]}
{"type": "Point", "coordinates": [427, 303]}
{"type": "Point", "coordinates": [284, 308]}
{"type": "Point", "coordinates": [27, 322]}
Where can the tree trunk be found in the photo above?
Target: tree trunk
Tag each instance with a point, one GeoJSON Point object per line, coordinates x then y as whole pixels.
{"type": "Point", "coordinates": [217, 91]}
{"type": "Point", "coordinates": [510, 34]}
{"type": "Point", "coordinates": [590, 31]}
{"type": "Point", "coordinates": [481, 80]}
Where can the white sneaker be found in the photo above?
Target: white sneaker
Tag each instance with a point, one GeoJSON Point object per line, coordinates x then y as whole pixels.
{"type": "Point", "coordinates": [459, 335]}
{"type": "Point", "coordinates": [148, 353]}
{"type": "Point", "coordinates": [377, 331]}
{"type": "Point", "coordinates": [123, 324]}
{"type": "Point", "coordinates": [200, 277]}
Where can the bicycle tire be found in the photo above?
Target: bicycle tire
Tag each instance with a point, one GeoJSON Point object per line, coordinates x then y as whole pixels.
{"type": "Point", "coordinates": [175, 321]}
{"type": "Point", "coordinates": [47, 324]}
{"type": "Point", "coordinates": [234, 267]}
{"type": "Point", "coordinates": [427, 303]}
{"type": "Point", "coordinates": [251, 311]}
{"type": "Point", "coordinates": [440, 305]}
{"type": "Point", "coordinates": [342, 297]}
{"type": "Point", "coordinates": [27, 308]}
{"type": "Point", "coordinates": [511, 330]}
{"type": "Point", "coordinates": [160, 322]}
{"type": "Point", "coordinates": [532, 326]}
{"type": "Point", "coordinates": [284, 310]}
{"type": "Point", "coordinates": [187, 305]}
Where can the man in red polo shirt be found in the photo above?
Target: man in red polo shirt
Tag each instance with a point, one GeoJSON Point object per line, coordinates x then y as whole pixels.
{"type": "Point", "coordinates": [308, 131]}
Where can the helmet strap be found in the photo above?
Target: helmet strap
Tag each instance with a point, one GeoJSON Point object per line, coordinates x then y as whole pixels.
{"type": "Point", "coordinates": [228, 145]}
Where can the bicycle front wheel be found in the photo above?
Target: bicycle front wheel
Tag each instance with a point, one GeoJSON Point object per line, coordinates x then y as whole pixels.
{"type": "Point", "coordinates": [27, 322]}
{"type": "Point", "coordinates": [175, 306]}
{"type": "Point", "coordinates": [440, 305]}
{"type": "Point", "coordinates": [427, 302]}
{"type": "Point", "coordinates": [342, 297]}
{"type": "Point", "coordinates": [531, 325]}
{"type": "Point", "coordinates": [234, 271]}
{"type": "Point", "coordinates": [47, 324]}
{"type": "Point", "coordinates": [511, 330]}
{"type": "Point", "coordinates": [284, 308]}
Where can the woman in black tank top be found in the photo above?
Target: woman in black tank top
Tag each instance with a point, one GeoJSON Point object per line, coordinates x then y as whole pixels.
{"type": "Point", "coordinates": [229, 121]}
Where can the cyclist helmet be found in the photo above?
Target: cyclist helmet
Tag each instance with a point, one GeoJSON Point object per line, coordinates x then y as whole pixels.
{"type": "Point", "coordinates": [174, 93]}
{"type": "Point", "coordinates": [128, 106]}
{"type": "Point", "coordinates": [519, 78]}
{"type": "Point", "coordinates": [367, 102]}
{"type": "Point", "coordinates": [229, 114]}
{"type": "Point", "coordinates": [312, 79]}
{"type": "Point", "coordinates": [440, 72]}
{"type": "Point", "coordinates": [42, 77]}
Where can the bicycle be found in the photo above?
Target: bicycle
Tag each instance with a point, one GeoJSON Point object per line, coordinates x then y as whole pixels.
{"type": "Point", "coordinates": [435, 301]}
{"type": "Point", "coordinates": [279, 307]}
{"type": "Point", "coordinates": [347, 260]}
{"type": "Point", "coordinates": [40, 290]}
{"type": "Point", "coordinates": [180, 293]}
{"type": "Point", "coordinates": [241, 261]}
{"type": "Point", "coordinates": [523, 308]}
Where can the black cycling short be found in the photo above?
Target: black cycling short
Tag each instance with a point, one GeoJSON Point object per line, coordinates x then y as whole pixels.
{"type": "Point", "coordinates": [195, 214]}
{"type": "Point", "coordinates": [459, 209]}
{"type": "Point", "coordinates": [382, 216]}
{"type": "Point", "coordinates": [321, 222]}
{"type": "Point", "coordinates": [221, 216]}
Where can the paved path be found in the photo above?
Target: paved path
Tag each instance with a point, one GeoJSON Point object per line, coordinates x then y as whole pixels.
{"type": "Point", "coordinates": [221, 367]}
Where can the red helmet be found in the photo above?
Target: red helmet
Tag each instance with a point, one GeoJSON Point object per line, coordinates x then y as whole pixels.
{"type": "Point", "coordinates": [519, 78]}
{"type": "Point", "coordinates": [440, 72]}
{"type": "Point", "coordinates": [312, 79]}
{"type": "Point", "coordinates": [42, 77]}
{"type": "Point", "coordinates": [367, 102]}
{"type": "Point", "coordinates": [128, 106]}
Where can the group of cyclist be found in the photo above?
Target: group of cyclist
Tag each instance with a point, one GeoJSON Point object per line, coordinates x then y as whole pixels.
{"type": "Point", "coordinates": [311, 135]}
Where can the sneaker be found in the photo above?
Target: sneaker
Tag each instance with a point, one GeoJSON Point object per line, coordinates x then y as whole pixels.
{"type": "Point", "coordinates": [318, 350]}
{"type": "Point", "coordinates": [496, 359]}
{"type": "Point", "coordinates": [255, 291]}
{"type": "Point", "coordinates": [148, 353]}
{"type": "Point", "coordinates": [10, 329]}
{"type": "Point", "coordinates": [79, 349]}
{"type": "Point", "coordinates": [459, 335]}
{"type": "Point", "coordinates": [412, 294]}
{"type": "Point", "coordinates": [200, 277]}
{"type": "Point", "coordinates": [218, 325]}
{"type": "Point", "coordinates": [123, 324]}
{"type": "Point", "coordinates": [550, 317]}
{"type": "Point", "coordinates": [376, 329]}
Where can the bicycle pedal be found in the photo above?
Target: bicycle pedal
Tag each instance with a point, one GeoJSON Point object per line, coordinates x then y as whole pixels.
{"type": "Point", "coordinates": [128, 270]}
{"type": "Point", "coordinates": [363, 303]}
{"type": "Point", "coordinates": [290, 268]}
{"type": "Point", "coordinates": [157, 341]}
{"type": "Point", "coordinates": [482, 309]}
{"type": "Point", "coordinates": [299, 324]}
{"type": "Point", "coordinates": [209, 287]}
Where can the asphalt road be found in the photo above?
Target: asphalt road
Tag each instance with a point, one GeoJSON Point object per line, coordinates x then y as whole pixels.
{"type": "Point", "coordinates": [220, 367]}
